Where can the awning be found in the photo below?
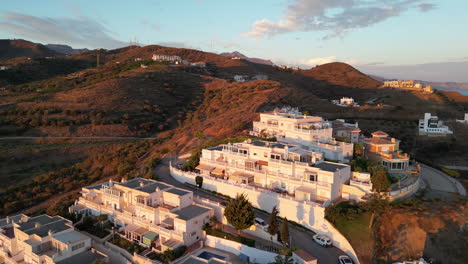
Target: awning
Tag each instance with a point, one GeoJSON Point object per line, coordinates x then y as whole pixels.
{"type": "Point", "coordinates": [203, 167]}
{"type": "Point", "coordinates": [305, 189]}
{"type": "Point", "coordinates": [141, 231]}
{"type": "Point", "coordinates": [218, 171]}
{"type": "Point", "coordinates": [131, 228]}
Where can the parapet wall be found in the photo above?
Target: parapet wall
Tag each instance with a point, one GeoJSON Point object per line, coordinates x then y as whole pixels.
{"type": "Point", "coordinates": [310, 215]}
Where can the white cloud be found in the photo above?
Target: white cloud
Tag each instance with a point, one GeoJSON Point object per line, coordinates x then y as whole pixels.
{"type": "Point", "coordinates": [317, 61]}
{"type": "Point", "coordinates": [77, 31]}
{"type": "Point", "coordinates": [334, 17]}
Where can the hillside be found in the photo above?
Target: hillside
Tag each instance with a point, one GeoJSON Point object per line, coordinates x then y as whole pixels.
{"type": "Point", "coordinates": [242, 56]}
{"type": "Point", "coordinates": [184, 107]}
{"type": "Point", "coordinates": [65, 49]}
{"type": "Point", "coordinates": [22, 48]}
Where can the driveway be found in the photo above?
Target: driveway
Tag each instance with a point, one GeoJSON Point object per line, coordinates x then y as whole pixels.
{"type": "Point", "coordinates": [300, 237]}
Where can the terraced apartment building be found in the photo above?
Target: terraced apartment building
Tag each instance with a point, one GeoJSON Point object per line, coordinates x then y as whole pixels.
{"type": "Point", "coordinates": [44, 239]}
{"type": "Point", "coordinates": [312, 132]}
{"type": "Point", "coordinates": [151, 213]}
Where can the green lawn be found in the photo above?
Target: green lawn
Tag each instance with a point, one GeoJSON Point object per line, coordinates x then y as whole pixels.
{"type": "Point", "coordinates": [355, 230]}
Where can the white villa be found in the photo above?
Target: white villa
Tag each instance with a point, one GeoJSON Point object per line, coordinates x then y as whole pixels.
{"type": "Point", "coordinates": [44, 239]}
{"type": "Point", "coordinates": [386, 151]}
{"type": "Point", "coordinates": [281, 167]}
{"type": "Point", "coordinates": [151, 213]}
{"type": "Point", "coordinates": [463, 121]}
{"type": "Point", "coordinates": [345, 102]}
{"type": "Point", "coordinates": [170, 58]}
{"type": "Point", "coordinates": [431, 125]}
{"type": "Point", "coordinates": [312, 132]}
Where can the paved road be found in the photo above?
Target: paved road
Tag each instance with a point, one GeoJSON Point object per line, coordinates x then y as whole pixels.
{"type": "Point", "coordinates": [439, 181]}
{"type": "Point", "coordinates": [455, 167]}
{"type": "Point", "coordinates": [300, 237]}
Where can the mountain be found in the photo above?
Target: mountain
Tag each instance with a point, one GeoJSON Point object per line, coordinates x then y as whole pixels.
{"type": "Point", "coordinates": [343, 74]}
{"type": "Point", "coordinates": [65, 49]}
{"type": "Point", "coordinates": [242, 56]}
{"type": "Point", "coordinates": [13, 48]}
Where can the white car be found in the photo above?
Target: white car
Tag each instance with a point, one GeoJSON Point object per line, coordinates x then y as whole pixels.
{"type": "Point", "coordinates": [322, 240]}
{"type": "Point", "coordinates": [261, 223]}
{"type": "Point", "coordinates": [345, 259]}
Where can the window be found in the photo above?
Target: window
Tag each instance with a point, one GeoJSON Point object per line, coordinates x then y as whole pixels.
{"type": "Point", "coordinates": [265, 154]}
{"type": "Point", "coordinates": [255, 154]}
{"type": "Point", "coordinates": [78, 246]}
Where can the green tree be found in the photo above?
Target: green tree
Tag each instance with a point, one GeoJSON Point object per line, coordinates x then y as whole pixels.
{"type": "Point", "coordinates": [285, 231]}
{"type": "Point", "coordinates": [239, 212]}
{"type": "Point", "coordinates": [199, 181]}
{"type": "Point", "coordinates": [283, 259]}
{"type": "Point", "coordinates": [379, 178]}
{"type": "Point", "coordinates": [332, 212]}
{"type": "Point", "coordinates": [273, 223]}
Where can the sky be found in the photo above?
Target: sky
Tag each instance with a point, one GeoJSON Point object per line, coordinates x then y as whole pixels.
{"type": "Point", "coordinates": [372, 35]}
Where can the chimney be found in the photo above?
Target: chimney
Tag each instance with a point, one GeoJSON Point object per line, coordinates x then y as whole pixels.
{"type": "Point", "coordinates": [49, 232]}
{"type": "Point", "coordinates": [8, 219]}
{"type": "Point", "coordinates": [142, 184]}
{"type": "Point", "coordinates": [37, 225]}
{"type": "Point", "coordinates": [123, 180]}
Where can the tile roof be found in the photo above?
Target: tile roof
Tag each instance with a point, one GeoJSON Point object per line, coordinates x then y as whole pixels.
{"type": "Point", "coordinates": [379, 141]}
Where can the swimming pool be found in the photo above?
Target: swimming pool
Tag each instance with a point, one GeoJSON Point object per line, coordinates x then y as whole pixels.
{"type": "Point", "coordinates": [208, 255]}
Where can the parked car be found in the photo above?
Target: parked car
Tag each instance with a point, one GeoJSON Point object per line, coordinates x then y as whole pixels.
{"type": "Point", "coordinates": [261, 222]}
{"type": "Point", "coordinates": [345, 259]}
{"type": "Point", "coordinates": [322, 240]}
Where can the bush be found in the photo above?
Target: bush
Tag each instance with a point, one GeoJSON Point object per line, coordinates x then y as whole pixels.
{"type": "Point", "coordinates": [450, 172]}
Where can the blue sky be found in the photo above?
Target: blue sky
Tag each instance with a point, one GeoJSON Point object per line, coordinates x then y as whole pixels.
{"type": "Point", "coordinates": [296, 32]}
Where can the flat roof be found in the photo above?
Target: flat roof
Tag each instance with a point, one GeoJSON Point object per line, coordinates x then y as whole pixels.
{"type": "Point", "coordinates": [83, 257]}
{"type": "Point", "coordinates": [191, 211]}
{"type": "Point", "coordinates": [54, 227]}
{"type": "Point", "coordinates": [40, 220]}
{"type": "Point", "coordinates": [177, 191]}
{"type": "Point", "coordinates": [330, 166]}
{"type": "Point", "coordinates": [144, 185]}
{"type": "Point", "coordinates": [70, 237]}
{"type": "Point", "coordinates": [15, 218]}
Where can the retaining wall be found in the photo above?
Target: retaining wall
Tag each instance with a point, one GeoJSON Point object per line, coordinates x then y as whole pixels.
{"type": "Point", "coordinates": [309, 214]}
{"type": "Point", "coordinates": [255, 255]}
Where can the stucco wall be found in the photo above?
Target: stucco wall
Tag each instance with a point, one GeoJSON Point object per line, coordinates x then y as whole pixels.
{"type": "Point", "coordinates": [255, 255]}
{"type": "Point", "coordinates": [308, 214]}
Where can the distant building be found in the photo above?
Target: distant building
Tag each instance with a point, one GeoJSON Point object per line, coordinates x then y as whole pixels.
{"type": "Point", "coordinates": [345, 102]}
{"type": "Point", "coordinates": [3, 68]}
{"type": "Point", "coordinates": [431, 125]}
{"type": "Point", "coordinates": [235, 58]}
{"type": "Point", "coordinates": [408, 85]}
{"type": "Point", "coordinates": [169, 58]}
{"type": "Point", "coordinates": [464, 121]}
{"type": "Point", "coordinates": [240, 78]}
{"type": "Point", "coordinates": [44, 239]}
{"type": "Point", "coordinates": [346, 130]}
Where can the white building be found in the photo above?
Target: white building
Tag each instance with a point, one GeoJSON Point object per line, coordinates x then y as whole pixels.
{"type": "Point", "coordinates": [151, 213]}
{"type": "Point", "coordinates": [432, 125]}
{"type": "Point", "coordinates": [169, 58]}
{"type": "Point", "coordinates": [276, 166]}
{"type": "Point", "coordinates": [3, 68]}
{"type": "Point", "coordinates": [345, 102]}
{"type": "Point", "coordinates": [312, 132]}
{"type": "Point", "coordinates": [44, 239]}
{"type": "Point", "coordinates": [345, 130]}
{"type": "Point", "coordinates": [240, 78]}
{"type": "Point", "coordinates": [464, 121]}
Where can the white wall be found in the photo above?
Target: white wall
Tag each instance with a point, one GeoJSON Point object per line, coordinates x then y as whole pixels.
{"type": "Point", "coordinates": [308, 214]}
{"type": "Point", "coordinates": [255, 255]}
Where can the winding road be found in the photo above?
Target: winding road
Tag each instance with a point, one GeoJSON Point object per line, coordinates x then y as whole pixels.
{"type": "Point", "coordinates": [300, 237]}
